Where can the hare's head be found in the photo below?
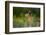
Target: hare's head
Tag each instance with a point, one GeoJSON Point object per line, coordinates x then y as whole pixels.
{"type": "Point", "coordinates": [28, 13]}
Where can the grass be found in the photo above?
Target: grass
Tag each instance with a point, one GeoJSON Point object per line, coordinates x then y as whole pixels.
{"type": "Point", "coordinates": [23, 22]}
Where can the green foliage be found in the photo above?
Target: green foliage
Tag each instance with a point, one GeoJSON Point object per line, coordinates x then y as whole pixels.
{"type": "Point", "coordinates": [36, 12]}
{"type": "Point", "coordinates": [20, 20]}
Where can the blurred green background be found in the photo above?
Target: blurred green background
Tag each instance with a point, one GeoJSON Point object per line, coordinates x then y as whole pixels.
{"type": "Point", "coordinates": [26, 17]}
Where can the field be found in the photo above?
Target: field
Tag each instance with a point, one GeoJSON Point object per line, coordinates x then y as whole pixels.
{"type": "Point", "coordinates": [26, 17]}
